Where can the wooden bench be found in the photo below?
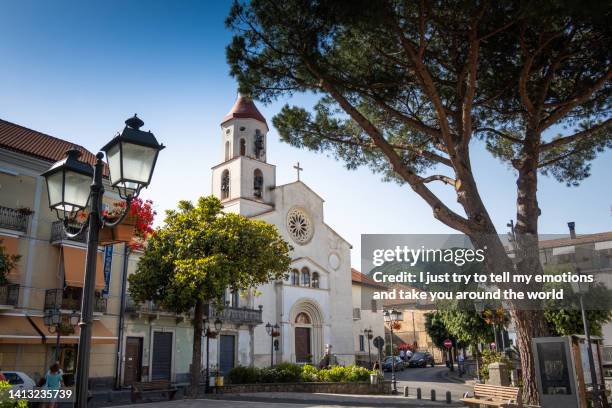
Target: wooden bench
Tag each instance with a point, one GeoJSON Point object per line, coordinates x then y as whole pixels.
{"type": "Point", "coordinates": [488, 395]}
{"type": "Point", "coordinates": [162, 387]}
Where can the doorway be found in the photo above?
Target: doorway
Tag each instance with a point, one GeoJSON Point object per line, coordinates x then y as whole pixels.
{"type": "Point", "coordinates": [161, 367]}
{"type": "Point", "coordinates": [303, 353]}
{"type": "Point", "coordinates": [227, 353]}
{"type": "Point", "coordinates": [133, 360]}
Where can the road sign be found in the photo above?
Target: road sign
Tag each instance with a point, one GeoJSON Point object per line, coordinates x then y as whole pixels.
{"type": "Point", "coordinates": [379, 342]}
{"type": "Point", "coordinates": [448, 343]}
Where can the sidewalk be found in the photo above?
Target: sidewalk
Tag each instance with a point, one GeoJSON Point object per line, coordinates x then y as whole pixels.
{"type": "Point", "coordinates": [337, 399]}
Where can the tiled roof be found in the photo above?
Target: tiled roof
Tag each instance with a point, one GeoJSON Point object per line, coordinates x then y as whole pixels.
{"type": "Point", "coordinates": [361, 279]}
{"type": "Point", "coordinates": [39, 145]}
{"type": "Point", "coordinates": [244, 108]}
{"type": "Point", "coordinates": [580, 239]}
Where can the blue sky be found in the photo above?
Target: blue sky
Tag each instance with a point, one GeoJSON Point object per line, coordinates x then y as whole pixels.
{"type": "Point", "coordinates": [77, 70]}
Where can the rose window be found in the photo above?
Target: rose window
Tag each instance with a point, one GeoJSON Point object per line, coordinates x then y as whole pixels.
{"type": "Point", "coordinates": [299, 226]}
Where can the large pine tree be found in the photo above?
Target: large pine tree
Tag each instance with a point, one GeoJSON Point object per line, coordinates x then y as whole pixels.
{"type": "Point", "coordinates": [406, 87]}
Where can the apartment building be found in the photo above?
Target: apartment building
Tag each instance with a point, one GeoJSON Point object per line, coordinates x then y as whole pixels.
{"type": "Point", "coordinates": [50, 272]}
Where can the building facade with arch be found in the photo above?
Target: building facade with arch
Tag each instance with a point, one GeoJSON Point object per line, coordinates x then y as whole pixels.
{"type": "Point", "coordinates": [313, 305]}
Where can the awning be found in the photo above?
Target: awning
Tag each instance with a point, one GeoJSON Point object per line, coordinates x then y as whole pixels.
{"type": "Point", "coordinates": [100, 333]}
{"type": "Point", "coordinates": [18, 330]}
{"type": "Point", "coordinates": [74, 267]}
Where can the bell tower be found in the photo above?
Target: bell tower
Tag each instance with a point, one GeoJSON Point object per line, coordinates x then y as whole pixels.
{"type": "Point", "coordinates": [244, 179]}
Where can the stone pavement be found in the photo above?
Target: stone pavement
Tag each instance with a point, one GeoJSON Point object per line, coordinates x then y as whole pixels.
{"type": "Point", "coordinates": [297, 400]}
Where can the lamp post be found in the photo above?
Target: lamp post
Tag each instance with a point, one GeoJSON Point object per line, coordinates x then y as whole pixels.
{"type": "Point", "coordinates": [391, 317]}
{"type": "Point", "coordinates": [581, 289]}
{"type": "Point", "coordinates": [218, 324]}
{"type": "Point", "coordinates": [53, 321]}
{"type": "Point", "coordinates": [369, 335]}
{"type": "Point", "coordinates": [479, 307]}
{"type": "Point", "coordinates": [273, 331]}
{"type": "Point", "coordinates": [73, 186]}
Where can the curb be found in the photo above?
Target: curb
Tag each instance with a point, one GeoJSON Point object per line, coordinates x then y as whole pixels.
{"type": "Point", "coordinates": [395, 403]}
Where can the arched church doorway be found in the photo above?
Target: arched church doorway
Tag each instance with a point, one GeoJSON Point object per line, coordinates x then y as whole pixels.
{"type": "Point", "coordinates": [307, 322]}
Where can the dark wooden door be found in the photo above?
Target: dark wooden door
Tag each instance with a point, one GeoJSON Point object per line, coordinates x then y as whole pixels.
{"type": "Point", "coordinates": [302, 345]}
{"type": "Point", "coordinates": [162, 356]}
{"type": "Point", "coordinates": [227, 353]}
{"type": "Point", "coordinates": [133, 360]}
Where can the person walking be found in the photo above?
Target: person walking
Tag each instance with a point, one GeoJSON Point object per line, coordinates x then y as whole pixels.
{"type": "Point", "coordinates": [461, 364]}
{"type": "Point", "coordinates": [53, 381]}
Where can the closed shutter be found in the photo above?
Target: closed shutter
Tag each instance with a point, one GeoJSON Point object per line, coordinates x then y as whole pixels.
{"type": "Point", "coordinates": [162, 356]}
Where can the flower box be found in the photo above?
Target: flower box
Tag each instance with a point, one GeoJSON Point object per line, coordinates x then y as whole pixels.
{"type": "Point", "coordinates": [105, 236]}
{"type": "Point", "coordinates": [126, 231]}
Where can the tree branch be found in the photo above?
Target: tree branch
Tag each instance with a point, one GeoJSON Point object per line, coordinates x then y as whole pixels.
{"type": "Point", "coordinates": [439, 177]}
{"type": "Point", "coordinates": [576, 137]}
{"type": "Point", "coordinates": [500, 134]}
{"type": "Point", "coordinates": [575, 101]}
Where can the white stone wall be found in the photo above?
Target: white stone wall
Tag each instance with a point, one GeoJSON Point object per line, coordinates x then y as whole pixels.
{"type": "Point", "coordinates": [367, 320]}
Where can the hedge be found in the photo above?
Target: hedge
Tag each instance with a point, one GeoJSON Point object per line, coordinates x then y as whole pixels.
{"type": "Point", "coordinates": [291, 373]}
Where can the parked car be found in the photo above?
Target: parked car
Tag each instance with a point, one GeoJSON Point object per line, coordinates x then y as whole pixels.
{"type": "Point", "coordinates": [19, 380]}
{"type": "Point", "coordinates": [398, 366]}
{"type": "Point", "coordinates": [421, 359]}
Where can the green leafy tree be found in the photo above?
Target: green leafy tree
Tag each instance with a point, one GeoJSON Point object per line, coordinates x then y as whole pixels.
{"type": "Point", "coordinates": [8, 262]}
{"type": "Point", "coordinates": [198, 254]}
{"type": "Point", "coordinates": [435, 328]}
{"type": "Point", "coordinates": [565, 317]}
{"type": "Point", "coordinates": [407, 88]}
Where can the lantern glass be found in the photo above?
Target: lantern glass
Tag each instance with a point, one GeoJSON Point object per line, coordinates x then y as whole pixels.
{"type": "Point", "coordinates": [131, 158]}
{"type": "Point", "coordinates": [76, 190]}
{"type": "Point", "coordinates": [68, 184]}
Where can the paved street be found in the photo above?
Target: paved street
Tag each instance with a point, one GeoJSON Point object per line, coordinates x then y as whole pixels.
{"type": "Point", "coordinates": [430, 378]}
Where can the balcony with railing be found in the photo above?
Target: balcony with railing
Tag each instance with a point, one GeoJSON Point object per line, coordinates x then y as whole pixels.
{"type": "Point", "coordinates": [9, 295]}
{"type": "Point", "coordinates": [70, 299]}
{"type": "Point", "coordinates": [14, 218]}
{"type": "Point", "coordinates": [58, 234]}
{"type": "Point", "coordinates": [236, 315]}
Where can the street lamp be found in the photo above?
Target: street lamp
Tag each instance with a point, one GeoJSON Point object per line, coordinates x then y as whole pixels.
{"type": "Point", "coordinates": [369, 335]}
{"type": "Point", "coordinates": [273, 331]}
{"type": "Point", "coordinates": [391, 317]}
{"type": "Point", "coordinates": [53, 321]}
{"type": "Point", "coordinates": [131, 160]}
{"type": "Point", "coordinates": [581, 289]}
{"type": "Point", "coordinates": [479, 307]}
{"type": "Point", "coordinates": [217, 324]}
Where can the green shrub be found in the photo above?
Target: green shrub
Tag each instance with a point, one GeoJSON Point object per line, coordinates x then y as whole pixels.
{"type": "Point", "coordinates": [334, 374]}
{"type": "Point", "coordinates": [6, 401]}
{"type": "Point", "coordinates": [491, 356]}
{"type": "Point", "coordinates": [283, 373]}
{"type": "Point", "coordinates": [243, 375]}
{"type": "Point", "coordinates": [289, 372]}
{"type": "Point", "coordinates": [309, 373]}
{"type": "Point", "coordinates": [356, 374]}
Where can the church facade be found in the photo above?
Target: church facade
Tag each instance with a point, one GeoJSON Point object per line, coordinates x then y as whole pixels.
{"type": "Point", "coordinates": [313, 306]}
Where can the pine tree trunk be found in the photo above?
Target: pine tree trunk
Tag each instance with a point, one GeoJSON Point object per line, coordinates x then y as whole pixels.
{"type": "Point", "coordinates": [196, 360]}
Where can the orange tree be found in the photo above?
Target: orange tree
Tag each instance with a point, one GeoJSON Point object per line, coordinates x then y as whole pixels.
{"type": "Point", "coordinates": [198, 254]}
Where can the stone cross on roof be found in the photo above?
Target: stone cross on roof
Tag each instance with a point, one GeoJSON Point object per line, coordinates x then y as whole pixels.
{"type": "Point", "coordinates": [298, 169]}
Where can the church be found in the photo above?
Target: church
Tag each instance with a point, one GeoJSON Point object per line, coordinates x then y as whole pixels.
{"type": "Point", "coordinates": [312, 308]}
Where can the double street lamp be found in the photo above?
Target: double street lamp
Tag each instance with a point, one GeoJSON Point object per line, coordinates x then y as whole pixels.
{"type": "Point", "coordinates": [391, 318]}
{"type": "Point", "coordinates": [273, 331]}
{"type": "Point", "coordinates": [74, 186]}
{"type": "Point", "coordinates": [53, 321]}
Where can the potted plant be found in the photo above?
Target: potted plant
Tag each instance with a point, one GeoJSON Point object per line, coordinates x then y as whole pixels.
{"type": "Point", "coordinates": [137, 225]}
